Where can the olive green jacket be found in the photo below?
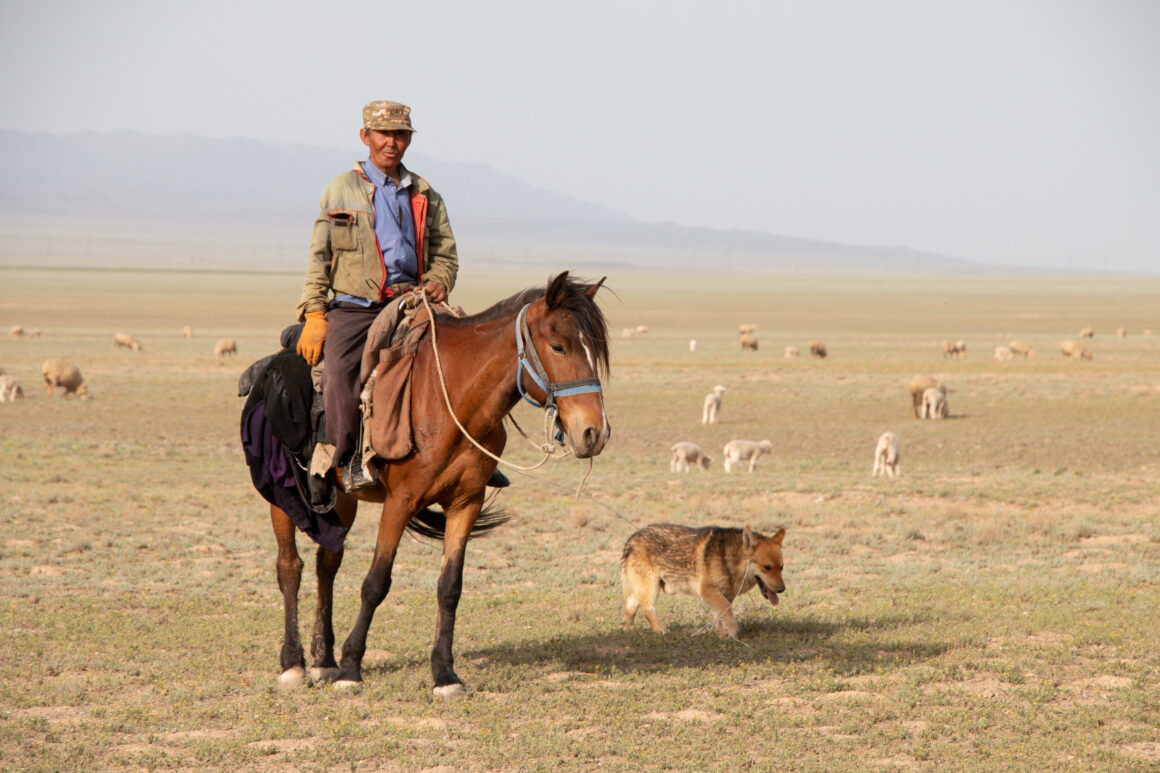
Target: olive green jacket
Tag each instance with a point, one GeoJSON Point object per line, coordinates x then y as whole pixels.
{"type": "Point", "coordinates": [344, 253]}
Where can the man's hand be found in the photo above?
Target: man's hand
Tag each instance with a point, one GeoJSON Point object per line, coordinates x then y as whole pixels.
{"type": "Point", "coordinates": [435, 292]}
{"type": "Point", "coordinates": [313, 334]}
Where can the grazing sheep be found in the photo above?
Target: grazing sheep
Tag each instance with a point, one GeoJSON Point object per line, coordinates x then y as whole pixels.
{"type": "Point", "coordinates": [1087, 332]}
{"type": "Point", "coordinates": [686, 452]}
{"type": "Point", "coordinates": [818, 349]}
{"type": "Point", "coordinates": [748, 342]}
{"type": "Point", "coordinates": [1074, 350]}
{"type": "Point", "coordinates": [692, 345]}
{"type": "Point", "coordinates": [791, 352]}
{"type": "Point", "coordinates": [886, 456]}
{"type": "Point", "coordinates": [10, 389]}
{"type": "Point", "coordinates": [35, 333]}
{"type": "Point", "coordinates": [58, 373]}
{"type": "Point", "coordinates": [746, 329]}
{"type": "Point", "coordinates": [1003, 353]}
{"type": "Point", "coordinates": [225, 346]}
{"type": "Point", "coordinates": [641, 329]}
{"type": "Point", "coordinates": [712, 405]}
{"type": "Point", "coordinates": [954, 348]}
{"type": "Point", "coordinates": [745, 451]}
{"type": "Point", "coordinates": [187, 332]}
{"type": "Point", "coordinates": [17, 330]}
{"type": "Point", "coordinates": [627, 332]}
{"type": "Point", "coordinates": [920, 384]}
{"type": "Point", "coordinates": [1121, 332]}
{"type": "Point", "coordinates": [127, 341]}
{"type": "Point", "coordinates": [934, 404]}
{"type": "Point", "coordinates": [1021, 348]}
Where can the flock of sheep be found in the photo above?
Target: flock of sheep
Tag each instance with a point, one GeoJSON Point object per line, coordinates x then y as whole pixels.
{"type": "Point", "coordinates": [59, 373]}
{"type": "Point", "coordinates": [928, 400]}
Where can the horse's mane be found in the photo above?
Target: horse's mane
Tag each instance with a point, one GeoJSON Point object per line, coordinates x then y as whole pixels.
{"type": "Point", "coordinates": [582, 308]}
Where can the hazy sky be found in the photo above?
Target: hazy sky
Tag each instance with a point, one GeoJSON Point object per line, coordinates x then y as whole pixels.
{"type": "Point", "coordinates": [1022, 132]}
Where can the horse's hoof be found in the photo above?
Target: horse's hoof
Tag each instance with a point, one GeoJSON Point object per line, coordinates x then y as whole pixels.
{"type": "Point", "coordinates": [449, 691]}
{"type": "Point", "coordinates": [291, 678]}
{"type": "Point", "coordinates": [323, 674]}
{"type": "Point", "coordinates": [347, 685]}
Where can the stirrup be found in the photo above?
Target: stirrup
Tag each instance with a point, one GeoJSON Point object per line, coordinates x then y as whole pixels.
{"type": "Point", "coordinates": [355, 476]}
{"type": "Point", "coordinates": [498, 479]}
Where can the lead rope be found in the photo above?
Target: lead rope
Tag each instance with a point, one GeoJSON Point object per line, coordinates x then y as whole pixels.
{"type": "Point", "coordinates": [447, 399]}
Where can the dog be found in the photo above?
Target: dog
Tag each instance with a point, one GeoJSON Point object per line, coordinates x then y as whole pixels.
{"type": "Point", "coordinates": [715, 563]}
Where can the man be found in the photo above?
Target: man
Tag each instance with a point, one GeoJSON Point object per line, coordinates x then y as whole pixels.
{"type": "Point", "coordinates": [381, 230]}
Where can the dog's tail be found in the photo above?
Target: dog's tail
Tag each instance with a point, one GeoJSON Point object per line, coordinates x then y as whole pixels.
{"type": "Point", "coordinates": [433, 523]}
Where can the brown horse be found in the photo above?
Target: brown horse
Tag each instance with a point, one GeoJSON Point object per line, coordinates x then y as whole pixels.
{"type": "Point", "coordinates": [548, 344]}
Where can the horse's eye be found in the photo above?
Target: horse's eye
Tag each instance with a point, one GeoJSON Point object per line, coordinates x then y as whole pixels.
{"type": "Point", "coordinates": [557, 348]}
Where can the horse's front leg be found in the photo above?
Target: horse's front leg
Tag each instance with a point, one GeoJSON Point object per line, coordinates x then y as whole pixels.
{"type": "Point", "coordinates": [375, 587]}
{"type": "Point", "coordinates": [324, 668]}
{"type": "Point", "coordinates": [289, 568]}
{"type": "Point", "coordinates": [459, 524]}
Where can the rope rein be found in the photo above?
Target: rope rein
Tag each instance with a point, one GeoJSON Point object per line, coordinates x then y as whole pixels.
{"type": "Point", "coordinates": [548, 450]}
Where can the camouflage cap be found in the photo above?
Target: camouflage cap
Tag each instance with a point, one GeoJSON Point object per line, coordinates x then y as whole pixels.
{"type": "Point", "coordinates": [387, 116]}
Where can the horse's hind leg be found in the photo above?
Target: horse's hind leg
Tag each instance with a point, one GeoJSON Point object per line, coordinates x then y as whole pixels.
{"type": "Point", "coordinates": [324, 668]}
{"type": "Point", "coordinates": [289, 566]}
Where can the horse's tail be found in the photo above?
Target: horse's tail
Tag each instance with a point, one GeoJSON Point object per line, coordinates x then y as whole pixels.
{"type": "Point", "coordinates": [433, 523]}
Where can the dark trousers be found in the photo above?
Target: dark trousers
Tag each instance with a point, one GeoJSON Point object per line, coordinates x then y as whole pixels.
{"type": "Point", "coordinates": [346, 334]}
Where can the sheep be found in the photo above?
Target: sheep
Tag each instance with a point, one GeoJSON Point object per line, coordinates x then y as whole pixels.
{"type": "Point", "coordinates": [225, 346]}
{"type": "Point", "coordinates": [10, 389]}
{"type": "Point", "coordinates": [745, 451]}
{"type": "Point", "coordinates": [920, 384]}
{"type": "Point", "coordinates": [748, 342]}
{"type": "Point", "coordinates": [886, 456]}
{"type": "Point", "coordinates": [747, 329]}
{"type": "Point", "coordinates": [17, 330]}
{"type": "Point", "coordinates": [127, 341]}
{"type": "Point", "coordinates": [1121, 332]}
{"type": "Point", "coordinates": [954, 348]}
{"type": "Point", "coordinates": [187, 332]}
{"type": "Point", "coordinates": [712, 405]}
{"type": "Point", "coordinates": [791, 352]}
{"type": "Point", "coordinates": [686, 452]}
{"type": "Point", "coordinates": [818, 349]}
{"type": "Point", "coordinates": [1087, 332]}
{"type": "Point", "coordinates": [934, 404]}
{"type": "Point", "coordinates": [1003, 353]}
{"type": "Point", "coordinates": [641, 329]}
{"type": "Point", "coordinates": [692, 345]}
{"type": "Point", "coordinates": [35, 333]}
{"type": "Point", "coordinates": [1021, 348]}
{"type": "Point", "coordinates": [627, 333]}
{"type": "Point", "coordinates": [58, 373]}
{"type": "Point", "coordinates": [1074, 350]}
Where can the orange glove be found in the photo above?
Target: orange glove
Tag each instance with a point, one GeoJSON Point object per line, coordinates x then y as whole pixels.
{"type": "Point", "coordinates": [313, 334]}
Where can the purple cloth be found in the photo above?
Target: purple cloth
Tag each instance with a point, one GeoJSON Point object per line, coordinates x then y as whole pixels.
{"type": "Point", "coordinates": [272, 473]}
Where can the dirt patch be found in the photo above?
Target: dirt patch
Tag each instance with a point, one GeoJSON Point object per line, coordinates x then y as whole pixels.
{"type": "Point", "coordinates": [688, 715]}
{"type": "Point", "coordinates": [1144, 750]}
{"type": "Point", "coordinates": [284, 745]}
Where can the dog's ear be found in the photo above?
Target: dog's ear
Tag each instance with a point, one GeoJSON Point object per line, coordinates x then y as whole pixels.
{"type": "Point", "coordinates": [747, 538]}
{"type": "Point", "coordinates": [779, 537]}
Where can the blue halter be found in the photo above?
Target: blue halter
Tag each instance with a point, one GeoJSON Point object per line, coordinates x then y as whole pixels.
{"type": "Point", "coordinates": [527, 359]}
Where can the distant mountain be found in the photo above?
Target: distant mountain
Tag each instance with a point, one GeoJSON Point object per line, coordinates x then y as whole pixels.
{"type": "Point", "coordinates": [128, 197]}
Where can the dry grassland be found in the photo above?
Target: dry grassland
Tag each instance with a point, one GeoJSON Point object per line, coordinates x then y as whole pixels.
{"type": "Point", "coordinates": [993, 609]}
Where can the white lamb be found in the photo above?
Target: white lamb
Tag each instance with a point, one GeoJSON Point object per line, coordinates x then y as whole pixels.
{"type": "Point", "coordinates": [10, 389]}
{"type": "Point", "coordinates": [692, 344]}
{"type": "Point", "coordinates": [934, 404]}
{"type": "Point", "coordinates": [225, 346]}
{"type": "Point", "coordinates": [712, 405]}
{"type": "Point", "coordinates": [745, 451]}
{"type": "Point", "coordinates": [685, 453]}
{"type": "Point", "coordinates": [886, 456]}
{"type": "Point", "coordinates": [791, 352]}
{"type": "Point", "coordinates": [1003, 353]}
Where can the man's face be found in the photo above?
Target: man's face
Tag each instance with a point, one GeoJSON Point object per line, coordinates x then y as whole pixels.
{"type": "Point", "coordinates": [387, 147]}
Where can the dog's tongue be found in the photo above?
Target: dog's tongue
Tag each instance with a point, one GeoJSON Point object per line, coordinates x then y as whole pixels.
{"type": "Point", "coordinates": [768, 593]}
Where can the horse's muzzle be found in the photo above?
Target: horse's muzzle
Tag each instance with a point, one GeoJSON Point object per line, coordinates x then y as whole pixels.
{"type": "Point", "coordinates": [590, 441]}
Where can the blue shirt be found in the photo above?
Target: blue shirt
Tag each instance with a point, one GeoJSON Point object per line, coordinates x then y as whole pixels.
{"type": "Point", "coordinates": [394, 227]}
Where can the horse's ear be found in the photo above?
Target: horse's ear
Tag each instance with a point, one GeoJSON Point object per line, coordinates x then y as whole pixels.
{"type": "Point", "coordinates": [557, 290]}
{"type": "Point", "coordinates": [591, 291]}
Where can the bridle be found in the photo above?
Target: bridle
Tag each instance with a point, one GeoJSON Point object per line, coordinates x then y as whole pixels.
{"type": "Point", "coordinates": [527, 359]}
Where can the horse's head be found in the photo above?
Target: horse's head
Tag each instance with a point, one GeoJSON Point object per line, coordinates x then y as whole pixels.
{"type": "Point", "coordinates": [570, 339]}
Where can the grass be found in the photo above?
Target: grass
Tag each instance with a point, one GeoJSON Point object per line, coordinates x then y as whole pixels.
{"type": "Point", "coordinates": [994, 609]}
